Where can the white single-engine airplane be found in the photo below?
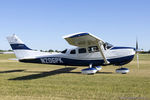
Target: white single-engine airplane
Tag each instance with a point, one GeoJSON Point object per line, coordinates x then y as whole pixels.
{"type": "Point", "coordinates": [91, 51]}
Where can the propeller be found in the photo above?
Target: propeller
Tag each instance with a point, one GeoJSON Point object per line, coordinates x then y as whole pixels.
{"type": "Point", "coordinates": [137, 54]}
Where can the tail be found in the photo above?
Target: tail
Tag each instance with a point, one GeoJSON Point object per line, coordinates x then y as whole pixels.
{"type": "Point", "coordinates": [21, 50]}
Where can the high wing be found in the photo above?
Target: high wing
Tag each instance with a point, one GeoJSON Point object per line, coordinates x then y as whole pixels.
{"type": "Point", "coordinates": [83, 39]}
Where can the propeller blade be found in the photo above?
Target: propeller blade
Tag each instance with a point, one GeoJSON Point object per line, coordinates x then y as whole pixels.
{"type": "Point", "coordinates": [137, 54]}
{"type": "Point", "coordinates": [137, 45]}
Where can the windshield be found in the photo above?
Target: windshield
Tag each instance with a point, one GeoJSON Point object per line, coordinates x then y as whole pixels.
{"type": "Point", "coordinates": [108, 45]}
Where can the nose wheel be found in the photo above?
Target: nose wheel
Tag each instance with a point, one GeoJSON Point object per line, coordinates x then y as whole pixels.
{"type": "Point", "coordinates": [122, 70]}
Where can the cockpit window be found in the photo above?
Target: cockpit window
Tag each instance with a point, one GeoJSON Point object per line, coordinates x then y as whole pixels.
{"type": "Point", "coordinates": [107, 45]}
{"type": "Point", "coordinates": [93, 49]}
{"type": "Point", "coordinates": [82, 50]}
{"type": "Point", "coordinates": [64, 51]}
{"type": "Point", "coordinates": [73, 51]}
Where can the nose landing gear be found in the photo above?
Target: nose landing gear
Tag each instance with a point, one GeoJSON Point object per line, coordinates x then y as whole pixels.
{"type": "Point", "coordinates": [122, 70]}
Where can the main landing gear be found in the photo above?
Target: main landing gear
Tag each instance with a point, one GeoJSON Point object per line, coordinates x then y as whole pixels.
{"type": "Point", "coordinates": [91, 69]}
{"type": "Point", "coordinates": [122, 70]}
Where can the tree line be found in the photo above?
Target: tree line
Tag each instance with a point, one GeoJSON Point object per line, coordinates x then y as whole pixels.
{"type": "Point", "coordinates": [51, 50]}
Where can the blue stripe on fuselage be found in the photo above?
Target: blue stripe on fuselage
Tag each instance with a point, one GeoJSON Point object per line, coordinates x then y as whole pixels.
{"type": "Point", "coordinates": [19, 46]}
{"type": "Point", "coordinates": [73, 62]}
{"type": "Point", "coordinates": [122, 48]}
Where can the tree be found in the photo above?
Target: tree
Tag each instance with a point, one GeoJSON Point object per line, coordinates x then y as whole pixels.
{"type": "Point", "coordinates": [9, 50]}
{"type": "Point", "coordinates": [50, 50]}
{"type": "Point", "coordinates": [56, 51]}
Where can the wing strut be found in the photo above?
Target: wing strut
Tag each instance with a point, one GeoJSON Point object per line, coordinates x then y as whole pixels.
{"type": "Point", "coordinates": [100, 44]}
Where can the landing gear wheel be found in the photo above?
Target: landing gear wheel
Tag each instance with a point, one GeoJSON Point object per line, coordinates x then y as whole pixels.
{"type": "Point", "coordinates": [122, 70]}
{"type": "Point", "coordinates": [91, 70]}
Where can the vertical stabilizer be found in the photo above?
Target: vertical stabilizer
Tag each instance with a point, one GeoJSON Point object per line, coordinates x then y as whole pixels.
{"type": "Point", "coordinates": [16, 43]}
{"type": "Point", "coordinates": [21, 50]}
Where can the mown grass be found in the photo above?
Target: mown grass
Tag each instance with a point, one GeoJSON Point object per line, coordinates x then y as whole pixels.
{"type": "Point", "coordinates": [22, 81]}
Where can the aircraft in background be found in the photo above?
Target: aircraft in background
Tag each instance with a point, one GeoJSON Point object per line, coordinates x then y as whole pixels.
{"type": "Point", "coordinates": [90, 51]}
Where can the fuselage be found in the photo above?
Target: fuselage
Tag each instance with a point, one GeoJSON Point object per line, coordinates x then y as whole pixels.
{"type": "Point", "coordinates": [86, 56]}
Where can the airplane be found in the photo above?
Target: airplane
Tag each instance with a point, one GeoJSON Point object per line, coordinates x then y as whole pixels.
{"type": "Point", "coordinates": [90, 51]}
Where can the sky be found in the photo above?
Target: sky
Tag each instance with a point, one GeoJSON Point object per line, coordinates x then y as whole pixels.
{"type": "Point", "coordinates": [40, 24]}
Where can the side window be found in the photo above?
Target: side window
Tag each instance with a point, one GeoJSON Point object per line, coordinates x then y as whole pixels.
{"type": "Point", "coordinates": [93, 49]}
{"type": "Point", "coordinates": [82, 50]}
{"type": "Point", "coordinates": [73, 52]}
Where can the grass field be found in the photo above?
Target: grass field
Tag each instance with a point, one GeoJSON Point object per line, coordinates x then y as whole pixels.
{"type": "Point", "coordinates": [22, 81]}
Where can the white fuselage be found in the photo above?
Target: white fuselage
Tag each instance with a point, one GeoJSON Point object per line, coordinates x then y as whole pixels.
{"type": "Point", "coordinates": [110, 54]}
